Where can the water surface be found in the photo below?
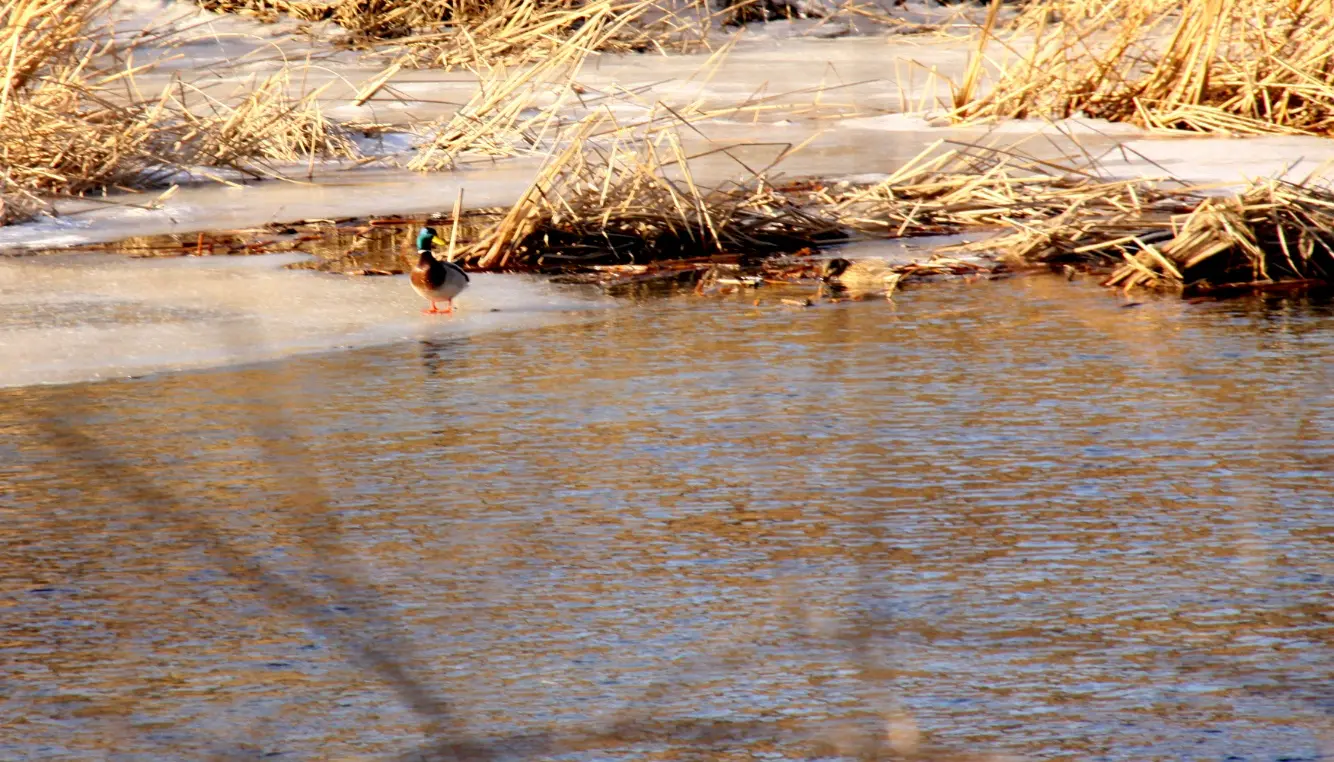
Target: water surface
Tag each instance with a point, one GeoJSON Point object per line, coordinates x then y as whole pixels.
{"type": "Point", "coordinates": [1009, 517]}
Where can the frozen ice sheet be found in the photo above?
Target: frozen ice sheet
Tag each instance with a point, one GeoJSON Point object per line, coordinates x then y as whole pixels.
{"type": "Point", "coordinates": [86, 317]}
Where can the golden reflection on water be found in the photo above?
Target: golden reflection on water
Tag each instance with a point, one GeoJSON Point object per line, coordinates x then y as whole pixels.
{"type": "Point", "coordinates": [1011, 517]}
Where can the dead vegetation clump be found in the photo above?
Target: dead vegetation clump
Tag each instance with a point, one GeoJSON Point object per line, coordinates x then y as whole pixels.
{"type": "Point", "coordinates": [955, 189]}
{"type": "Point", "coordinates": [512, 113]}
{"type": "Point", "coordinates": [451, 33]}
{"type": "Point", "coordinates": [635, 208]}
{"type": "Point", "coordinates": [518, 32]}
{"type": "Point", "coordinates": [599, 204]}
{"type": "Point", "coordinates": [1228, 66]}
{"type": "Point", "coordinates": [72, 121]}
{"type": "Point", "coordinates": [60, 133]}
{"type": "Point", "coordinates": [266, 123]}
{"type": "Point", "coordinates": [1271, 234]}
{"type": "Point", "coordinates": [1144, 233]}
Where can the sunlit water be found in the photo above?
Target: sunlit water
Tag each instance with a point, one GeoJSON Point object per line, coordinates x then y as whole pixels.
{"type": "Point", "coordinates": [1014, 515]}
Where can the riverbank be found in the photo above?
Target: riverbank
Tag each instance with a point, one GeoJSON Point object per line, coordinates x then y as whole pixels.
{"type": "Point", "coordinates": [597, 166]}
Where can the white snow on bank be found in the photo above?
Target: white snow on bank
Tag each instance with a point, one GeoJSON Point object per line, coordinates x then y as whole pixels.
{"type": "Point", "coordinates": [1223, 161]}
{"type": "Point", "coordinates": [387, 144]}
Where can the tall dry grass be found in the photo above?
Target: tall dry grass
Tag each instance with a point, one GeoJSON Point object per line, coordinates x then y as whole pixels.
{"type": "Point", "coordinates": [59, 132]}
{"type": "Point", "coordinates": [1231, 66]}
{"type": "Point", "coordinates": [452, 33]}
{"type": "Point", "coordinates": [264, 122]}
{"type": "Point", "coordinates": [72, 120]}
{"type": "Point", "coordinates": [515, 110]}
{"type": "Point", "coordinates": [636, 200]}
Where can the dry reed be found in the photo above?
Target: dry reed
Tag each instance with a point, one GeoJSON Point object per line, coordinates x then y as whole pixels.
{"type": "Point", "coordinates": [634, 204]}
{"type": "Point", "coordinates": [597, 204]}
{"type": "Point", "coordinates": [1230, 66]}
{"type": "Point", "coordinates": [1271, 233]}
{"type": "Point", "coordinates": [1146, 234]}
{"type": "Point", "coordinates": [953, 189]}
{"type": "Point", "coordinates": [513, 111]}
{"type": "Point", "coordinates": [73, 122]}
{"type": "Point", "coordinates": [453, 33]}
{"type": "Point", "coordinates": [265, 123]}
{"type": "Point", "coordinates": [59, 133]}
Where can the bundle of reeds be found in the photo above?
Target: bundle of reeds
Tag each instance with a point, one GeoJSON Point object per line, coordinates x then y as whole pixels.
{"type": "Point", "coordinates": [594, 204]}
{"type": "Point", "coordinates": [516, 32]}
{"type": "Point", "coordinates": [1233, 66]}
{"type": "Point", "coordinates": [1154, 234]}
{"type": "Point", "coordinates": [1145, 234]}
{"type": "Point", "coordinates": [1273, 232]}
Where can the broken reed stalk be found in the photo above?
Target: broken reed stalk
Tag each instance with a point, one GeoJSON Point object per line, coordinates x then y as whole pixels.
{"type": "Point", "coordinates": [1230, 66]}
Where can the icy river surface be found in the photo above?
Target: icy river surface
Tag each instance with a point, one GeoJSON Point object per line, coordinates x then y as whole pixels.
{"type": "Point", "coordinates": [254, 512]}
{"type": "Point", "coordinates": [1007, 518]}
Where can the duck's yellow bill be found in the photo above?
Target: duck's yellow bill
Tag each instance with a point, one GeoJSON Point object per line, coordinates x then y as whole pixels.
{"type": "Point", "coordinates": [438, 241]}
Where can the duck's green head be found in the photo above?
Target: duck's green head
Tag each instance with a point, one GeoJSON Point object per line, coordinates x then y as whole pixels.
{"type": "Point", "coordinates": [426, 237]}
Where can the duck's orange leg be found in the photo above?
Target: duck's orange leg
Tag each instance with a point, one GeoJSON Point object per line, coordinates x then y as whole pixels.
{"type": "Point", "coordinates": [434, 310]}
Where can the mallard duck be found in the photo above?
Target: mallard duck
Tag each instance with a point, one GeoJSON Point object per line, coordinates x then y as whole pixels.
{"type": "Point", "coordinates": [436, 279]}
{"type": "Point", "coordinates": [860, 277]}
